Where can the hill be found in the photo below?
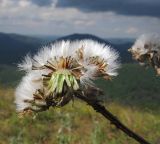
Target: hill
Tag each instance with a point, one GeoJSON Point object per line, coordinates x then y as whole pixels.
{"type": "Point", "coordinates": [13, 46]}
{"type": "Point", "coordinates": [77, 36]}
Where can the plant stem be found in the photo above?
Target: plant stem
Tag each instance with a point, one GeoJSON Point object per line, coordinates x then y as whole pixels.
{"type": "Point", "coordinates": [102, 110]}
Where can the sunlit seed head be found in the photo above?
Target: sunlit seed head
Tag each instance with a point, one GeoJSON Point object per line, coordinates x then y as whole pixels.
{"type": "Point", "coordinates": [145, 44]}
{"type": "Point", "coordinates": [146, 50]}
{"type": "Point", "coordinates": [64, 68]}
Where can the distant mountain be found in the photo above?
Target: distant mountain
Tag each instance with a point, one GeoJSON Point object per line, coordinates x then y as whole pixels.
{"type": "Point", "coordinates": [123, 51]}
{"type": "Point", "coordinates": [13, 46]}
{"type": "Point", "coordinates": [47, 38]}
{"type": "Point", "coordinates": [122, 44]}
{"type": "Point", "coordinates": [121, 40]}
{"type": "Point", "coordinates": [76, 36]}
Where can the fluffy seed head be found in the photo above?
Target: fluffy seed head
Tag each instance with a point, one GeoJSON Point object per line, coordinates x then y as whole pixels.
{"type": "Point", "coordinates": [145, 44]}
{"type": "Point", "coordinates": [59, 70]}
{"type": "Point", "coordinates": [146, 50]}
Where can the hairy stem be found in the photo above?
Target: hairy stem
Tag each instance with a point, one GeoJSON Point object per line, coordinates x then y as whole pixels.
{"type": "Point", "coordinates": [102, 110]}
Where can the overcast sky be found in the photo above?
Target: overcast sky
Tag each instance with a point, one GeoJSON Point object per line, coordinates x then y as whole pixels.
{"type": "Point", "coordinates": [104, 18]}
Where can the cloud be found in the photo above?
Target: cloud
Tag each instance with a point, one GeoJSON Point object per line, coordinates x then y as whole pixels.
{"type": "Point", "coordinates": [42, 2]}
{"type": "Point", "coordinates": [27, 18]}
{"type": "Point", "coordinates": [131, 30]}
{"type": "Point", "coordinates": [124, 7]}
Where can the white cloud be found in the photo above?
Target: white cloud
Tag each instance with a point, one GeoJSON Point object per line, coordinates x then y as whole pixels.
{"type": "Point", "coordinates": [24, 17]}
{"type": "Point", "coordinates": [24, 3]}
{"type": "Point", "coordinates": [131, 30]}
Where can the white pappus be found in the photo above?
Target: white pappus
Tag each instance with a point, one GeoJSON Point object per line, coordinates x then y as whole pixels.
{"type": "Point", "coordinates": [60, 70]}
{"type": "Point", "coordinates": [146, 50]}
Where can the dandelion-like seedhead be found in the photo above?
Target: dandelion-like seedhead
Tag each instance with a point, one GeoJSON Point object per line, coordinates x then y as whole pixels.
{"type": "Point", "coordinates": [146, 43]}
{"type": "Point", "coordinates": [146, 50]}
{"type": "Point", "coordinates": [58, 71]}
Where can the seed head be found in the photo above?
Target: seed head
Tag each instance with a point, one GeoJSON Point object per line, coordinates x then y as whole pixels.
{"type": "Point", "coordinates": [60, 70]}
{"type": "Point", "coordinates": [146, 50]}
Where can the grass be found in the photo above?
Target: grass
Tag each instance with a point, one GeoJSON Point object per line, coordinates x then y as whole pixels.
{"type": "Point", "coordinates": [133, 97]}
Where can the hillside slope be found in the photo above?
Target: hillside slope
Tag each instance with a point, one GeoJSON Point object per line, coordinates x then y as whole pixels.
{"type": "Point", "coordinates": [13, 47]}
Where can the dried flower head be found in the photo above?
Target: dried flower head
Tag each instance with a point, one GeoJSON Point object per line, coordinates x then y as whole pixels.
{"type": "Point", "coordinates": [60, 70]}
{"type": "Point", "coordinates": [146, 50]}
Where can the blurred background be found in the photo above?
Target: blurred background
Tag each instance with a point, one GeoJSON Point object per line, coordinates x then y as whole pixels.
{"type": "Point", "coordinates": [133, 96]}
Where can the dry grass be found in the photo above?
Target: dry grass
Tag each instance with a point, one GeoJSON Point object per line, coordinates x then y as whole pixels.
{"type": "Point", "coordinates": [75, 123]}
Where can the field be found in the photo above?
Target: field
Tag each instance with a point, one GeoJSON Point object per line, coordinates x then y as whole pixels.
{"type": "Point", "coordinates": [134, 97]}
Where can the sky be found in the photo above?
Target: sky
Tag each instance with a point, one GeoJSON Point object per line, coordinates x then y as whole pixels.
{"type": "Point", "coordinates": [104, 18]}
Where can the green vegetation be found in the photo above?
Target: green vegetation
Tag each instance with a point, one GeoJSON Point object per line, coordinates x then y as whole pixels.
{"type": "Point", "coordinates": [9, 76]}
{"type": "Point", "coordinates": [134, 86]}
{"type": "Point", "coordinates": [133, 96]}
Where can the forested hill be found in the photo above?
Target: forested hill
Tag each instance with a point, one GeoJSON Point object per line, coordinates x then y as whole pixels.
{"type": "Point", "coordinates": [13, 46]}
